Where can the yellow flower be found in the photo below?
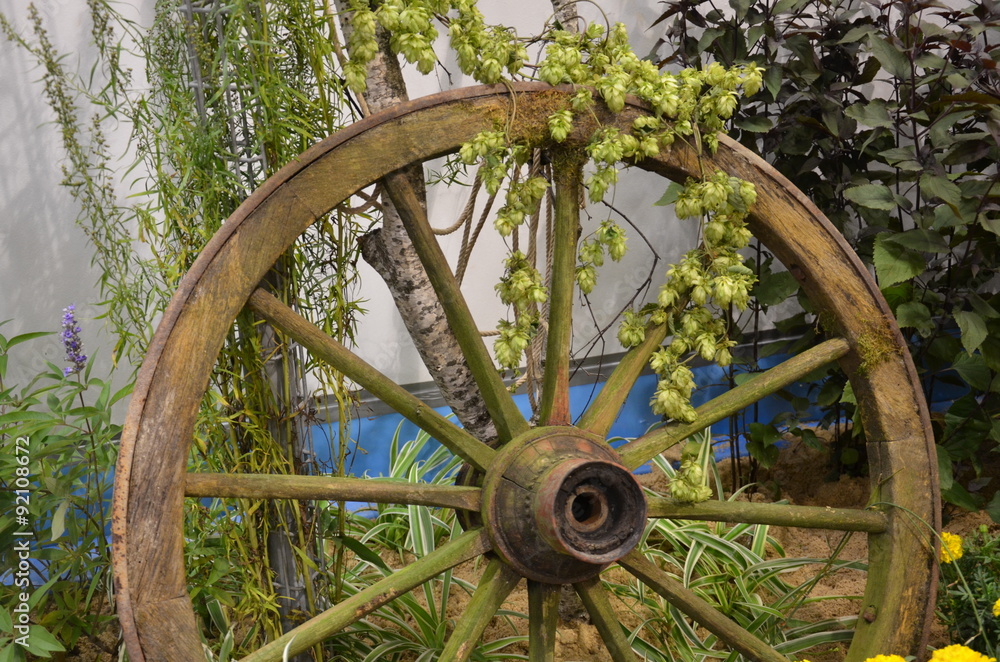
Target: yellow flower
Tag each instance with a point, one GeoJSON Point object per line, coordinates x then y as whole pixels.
{"type": "Point", "coordinates": [959, 653]}
{"type": "Point", "coordinates": [996, 608]}
{"type": "Point", "coordinates": [951, 547]}
{"type": "Point", "coordinates": [886, 658]}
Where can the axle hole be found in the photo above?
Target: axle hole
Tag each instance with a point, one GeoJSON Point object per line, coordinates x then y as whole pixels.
{"type": "Point", "coordinates": [587, 509]}
{"type": "Point", "coordinates": [584, 507]}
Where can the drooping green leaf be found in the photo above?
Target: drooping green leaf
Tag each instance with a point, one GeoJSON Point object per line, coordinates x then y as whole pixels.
{"type": "Point", "coordinates": [24, 337]}
{"type": "Point", "coordinates": [59, 520]}
{"type": "Point", "coordinates": [894, 263]}
{"type": "Point", "coordinates": [946, 217]}
{"type": "Point", "coordinates": [915, 315]}
{"type": "Point", "coordinates": [894, 155]}
{"type": "Point", "coordinates": [762, 444]}
{"type": "Point", "coordinates": [708, 37]}
{"type": "Point", "coordinates": [983, 307]}
{"type": "Point", "coordinates": [990, 351]}
{"type": "Point", "coordinates": [41, 642]}
{"type": "Point", "coordinates": [773, 76]}
{"type": "Point", "coordinates": [740, 7]}
{"type": "Point", "coordinates": [874, 196]}
{"type": "Point", "coordinates": [973, 329]}
{"type": "Point", "coordinates": [967, 425]}
{"type": "Point", "coordinates": [11, 653]}
{"type": "Point", "coordinates": [972, 97]}
{"type": "Point", "coordinates": [829, 394]}
{"type": "Point", "coordinates": [939, 186]}
{"type": "Point", "coordinates": [873, 114]}
{"type": "Point", "coordinates": [990, 223]}
{"type": "Point", "coordinates": [774, 288]}
{"type": "Point", "coordinates": [959, 496]}
{"type": "Point", "coordinates": [918, 239]}
{"type": "Point", "coordinates": [945, 474]}
{"type": "Point", "coordinates": [891, 58]}
{"type": "Point", "coordinates": [669, 197]}
{"type": "Point", "coordinates": [786, 6]}
{"type": "Point", "coordinates": [993, 508]}
{"type": "Point", "coordinates": [898, 294]}
{"type": "Point", "coordinates": [856, 34]}
{"type": "Point", "coordinates": [755, 123]}
{"type": "Point", "coordinates": [941, 131]}
{"type": "Point", "coordinates": [973, 370]}
{"type": "Point", "coordinates": [22, 416]}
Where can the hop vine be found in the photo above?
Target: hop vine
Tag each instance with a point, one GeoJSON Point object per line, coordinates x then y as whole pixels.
{"type": "Point", "coordinates": [483, 51]}
{"type": "Point", "coordinates": [711, 275]}
{"type": "Point", "coordinates": [521, 287]}
{"type": "Point", "coordinates": [610, 239]}
{"type": "Point", "coordinates": [692, 106]}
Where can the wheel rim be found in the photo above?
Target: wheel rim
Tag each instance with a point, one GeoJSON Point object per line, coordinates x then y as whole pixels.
{"type": "Point", "coordinates": [154, 608]}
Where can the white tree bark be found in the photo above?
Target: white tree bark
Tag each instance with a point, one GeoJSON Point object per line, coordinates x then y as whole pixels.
{"type": "Point", "coordinates": [565, 13]}
{"type": "Point", "coordinates": [391, 253]}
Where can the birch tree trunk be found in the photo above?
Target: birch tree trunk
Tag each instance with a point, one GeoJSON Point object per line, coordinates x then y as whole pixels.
{"type": "Point", "coordinates": [565, 12]}
{"type": "Point", "coordinates": [391, 253]}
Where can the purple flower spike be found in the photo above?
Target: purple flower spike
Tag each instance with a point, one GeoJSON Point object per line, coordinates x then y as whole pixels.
{"type": "Point", "coordinates": [71, 341]}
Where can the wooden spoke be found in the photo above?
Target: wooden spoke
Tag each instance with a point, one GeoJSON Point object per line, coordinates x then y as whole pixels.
{"type": "Point", "coordinates": [703, 613]}
{"type": "Point", "coordinates": [402, 401]}
{"type": "Point", "coordinates": [809, 517]}
{"type": "Point", "coordinates": [636, 453]}
{"type": "Point", "coordinates": [467, 546]}
{"type": "Point", "coordinates": [595, 599]}
{"type": "Point", "coordinates": [495, 585]}
{"type": "Point", "coordinates": [554, 407]}
{"type": "Point", "coordinates": [506, 416]}
{"type": "Point", "coordinates": [543, 617]}
{"type": "Point", "coordinates": [601, 413]}
{"type": "Point", "coordinates": [521, 502]}
{"type": "Point", "coordinates": [331, 488]}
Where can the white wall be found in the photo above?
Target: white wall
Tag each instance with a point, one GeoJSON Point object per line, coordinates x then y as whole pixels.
{"type": "Point", "coordinates": [44, 257]}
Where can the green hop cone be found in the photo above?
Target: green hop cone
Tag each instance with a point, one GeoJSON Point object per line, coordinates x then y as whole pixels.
{"type": "Point", "coordinates": [688, 486]}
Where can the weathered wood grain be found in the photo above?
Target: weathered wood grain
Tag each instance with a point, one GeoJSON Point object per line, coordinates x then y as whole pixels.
{"type": "Point", "coordinates": [810, 517]}
{"type": "Point", "coordinates": [156, 616]}
{"type": "Point", "coordinates": [331, 488]}
{"type": "Point", "coordinates": [568, 175]}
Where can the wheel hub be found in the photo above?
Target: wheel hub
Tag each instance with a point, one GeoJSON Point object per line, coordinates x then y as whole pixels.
{"type": "Point", "coordinates": [560, 507]}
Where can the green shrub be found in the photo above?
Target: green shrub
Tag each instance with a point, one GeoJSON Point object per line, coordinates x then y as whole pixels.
{"type": "Point", "coordinates": [885, 115]}
{"type": "Point", "coordinates": [58, 452]}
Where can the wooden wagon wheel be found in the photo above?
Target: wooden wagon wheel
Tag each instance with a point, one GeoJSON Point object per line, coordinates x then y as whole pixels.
{"type": "Point", "coordinates": [551, 467]}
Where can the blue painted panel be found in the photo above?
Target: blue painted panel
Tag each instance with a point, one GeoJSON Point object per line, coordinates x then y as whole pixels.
{"type": "Point", "coordinates": [373, 436]}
